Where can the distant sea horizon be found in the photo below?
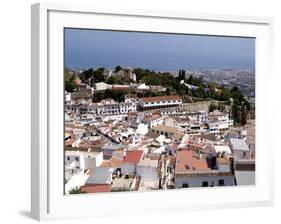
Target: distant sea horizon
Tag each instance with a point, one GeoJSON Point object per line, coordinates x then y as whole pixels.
{"type": "Point", "coordinates": [164, 68]}
{"type": "Point", "coordinates": [156, 51]}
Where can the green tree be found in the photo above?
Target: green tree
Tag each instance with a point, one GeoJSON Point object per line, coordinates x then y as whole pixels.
{"type": "Point", "coordinates": [85, 75]}
{"type": "Point", "coordinates": [97, 97]}
{"type": "Point", "coordinates": [236, 113]}
{"type": "Point", "coordinates": [149, 93]}
{"type": "Point", "coordinates": [199, 92]}
{"type": "Point", "coordinates": [69, 86]}
{"type": "Point", "coordinates": [117, 95]}
{"type": "Point", "coordinates": [139, 73]}
{"type": "Point", "coordinates": [69, 82]}
{"type": "Point", "coordinates": [224, 95]}
{"type": "Point", "coordinates": [190, 79]}
{"type": "Point", "coordinates": [98, 76]}
{"type": "Point", "coordinates": [244, 115]}
{"type": "Point", "coordinates": [118, 68]}
{"type": "Point", "coordinates": [168, 91]}
{"type": "Point", "coordinates": [114, 80]}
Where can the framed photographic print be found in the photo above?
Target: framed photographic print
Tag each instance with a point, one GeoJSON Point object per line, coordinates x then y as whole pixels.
{"type": "Point", "coordinates": [148, 111]}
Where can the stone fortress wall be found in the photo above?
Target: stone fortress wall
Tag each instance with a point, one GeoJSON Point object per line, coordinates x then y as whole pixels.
{"type": "Point", "coordinates": [203, 105]}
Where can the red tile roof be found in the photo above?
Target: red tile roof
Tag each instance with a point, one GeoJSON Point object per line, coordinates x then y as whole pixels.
{"type": "Point", "coordinates": [133, 157]}
{"type": "Point", "coordinates": [96, 188]}
{"type": "Point", "coordinates": [160, 98]}
{"type": "Point", "coordinates": [223, 161]}
{"type": "Point", "coordinates": [151, 117]}
{"type": "Point", "coordinates": [69, 142]}
{"type": "Point", "coordinates": [114, 162]}
{"type": "Point", "coordinates": [120, 88]}
{"type": "Point", "coordinates": [186, 161]}
{"type": "Point", "coordinates": [105, 163]}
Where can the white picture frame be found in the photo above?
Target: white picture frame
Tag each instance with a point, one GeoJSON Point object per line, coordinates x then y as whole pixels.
{"type": "Point", "coordinates": [47, 198]}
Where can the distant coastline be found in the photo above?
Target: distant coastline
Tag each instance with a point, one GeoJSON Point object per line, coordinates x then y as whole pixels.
{"type": "Point", "coordinates": [173, 71]}
{"type": "Point", "coordinates": [158, 52]}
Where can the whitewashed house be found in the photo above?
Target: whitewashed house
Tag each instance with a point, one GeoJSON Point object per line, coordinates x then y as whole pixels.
{"type": "Point", "coordinates": [149, 103]}
{"type": "Point", "coordinates": [82, 160]}
{"type": "Point", "coordinates": [101, 86]}
{"type": "Point", "coordinates": [221, 149]}
{"type": "Point", "coordinates": [131, 159]}
{"type": "Point", "coordinates": [142, 129]}
{"type": "Point", "coordinates": [100, 175]}
{"type": "Point", "coordinates": [239, 148]}
{"type": "Point", "coordinates": [168, 131]}
{"type": "Point", "coordinates": [218, 122]}
{"type": "Point", "coordinates": [197, 170]}
{"type": "Point", "coordinates": [153, 120]}
{"type": "Point", "coordinates": [147, 171]}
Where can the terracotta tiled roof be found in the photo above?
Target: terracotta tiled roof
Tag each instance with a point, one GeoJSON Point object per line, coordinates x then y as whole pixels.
{"type": "Point", "coordinates": [186, 161]}
{"type": "Point", "coordinates": [223, 161]}
{"type": "Point", "coordinates": [120, 88]}
{"type": "Point", "coordinates": [96, 188]}
{"type": "Point", "coordinates": [160, 98]}
{"type": "Point", "coordinates": [114, 162]}
{"type": "Point", "coordinates": [69, 142]}
{"type": "Point", "coordinates": [151, 117]}
{"type": "Point", "coordinates": [68, 133]}
{"type": "Point", "coordinates": [165, 128]}
{"type": "Point", "coordinates": [105, 163]}
{"type": "Point", "coordinates": [133, 157]}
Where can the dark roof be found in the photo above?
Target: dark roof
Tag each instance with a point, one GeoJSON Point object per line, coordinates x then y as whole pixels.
{"type": "Point", "coordinates": [208, 137]}
{"type": "Point", "coordinates": [246, 165]}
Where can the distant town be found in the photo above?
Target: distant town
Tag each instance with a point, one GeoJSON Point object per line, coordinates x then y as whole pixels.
{"type": "Point", "coordinates": [135, 129]}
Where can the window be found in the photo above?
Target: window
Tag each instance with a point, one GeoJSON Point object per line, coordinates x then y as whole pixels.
{"type": "Point", "coordinates": [221, 182]}
{"type": "Point", "coordinates": [77, 159]}
{"type": "Point", "coordinates": [185, 185]}
{"type": "Point", "coordinates": [205, 184]}
{"type": "Point", "coordinates": [244, 154]}
{"type": "Point", "coordinates": [68, 158]}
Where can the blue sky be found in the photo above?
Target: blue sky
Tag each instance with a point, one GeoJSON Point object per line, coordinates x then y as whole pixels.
{"type": "Point", "coordinates": [160, 52]}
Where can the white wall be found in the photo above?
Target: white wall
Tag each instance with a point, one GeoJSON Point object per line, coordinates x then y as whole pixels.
{"type": "Point", "coordinates": [89, 163]}
{"type": "Point", "coordinates": [99, 159]}
{"type": "Point", "coordinates": [15, 93]}
{"type": "Point", "coordinates": [159, 103]}
{"type": "Point", "coordinates": [224, 167]}
{"type": "Point", "coordinates": [128, 168]}
{"type": "Point", "coordinates": [147, 172]}
{"type": "Point", "coordinates": [197, 181]}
